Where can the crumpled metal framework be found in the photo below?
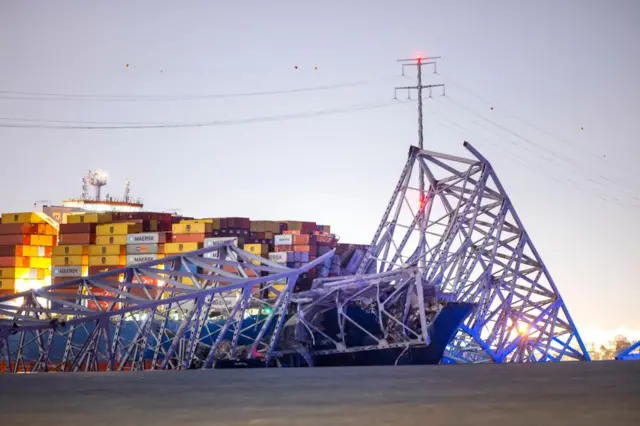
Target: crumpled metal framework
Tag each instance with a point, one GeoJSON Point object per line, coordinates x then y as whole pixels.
{"type": "Point", "coordinates": [468, 239]}
{"type": "Point", "coordinates": [80, 325]}
{"type": "Point", "coordinates": [461, 240]}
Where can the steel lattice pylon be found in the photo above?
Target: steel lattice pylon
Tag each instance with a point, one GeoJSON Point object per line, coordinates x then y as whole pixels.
{"type": "Point", "coordinates": [466, 234]}
{"type": "Point", "coordinates": [157, 315]}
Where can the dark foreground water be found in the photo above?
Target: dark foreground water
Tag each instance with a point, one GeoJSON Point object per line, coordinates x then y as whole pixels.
{"type": "Point", "coordinates": [599, 393]}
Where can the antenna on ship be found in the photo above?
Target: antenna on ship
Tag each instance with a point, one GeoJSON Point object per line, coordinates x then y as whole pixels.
{"type": "Point", "coordinates": [127, 190]}
{"type": "Point", "coordinates": [85, 187]}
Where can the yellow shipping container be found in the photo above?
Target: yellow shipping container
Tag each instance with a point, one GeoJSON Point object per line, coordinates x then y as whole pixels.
{"type": "Point", "coordinates": [265, 226]}
{"type": "Point", "coordinates": [194, 221]}
{"type": "Point", "coordinates": [278, 287]}
{"type": "Point", "coordinates": [172, 248]}
{"type": "Point", "coordinates": [72, 260]}
{"type": "Point", "coordinates": [192, 228]}
{"type": "Point", "coordinates": [119, 228]}
{"type": "Point", "coordinates": [42, 240]}
{"type": "Point", "coordinates": [25, 273]}
{"type": "Point", "coordinates": [111, 250]}
{"type": "Point", "coordinates": [257, 249]}
{"type": "Point", "coordinates": [89, 217]}
{"type": "Point", "coordinates": [16, 273]}
{"type": "Point", "coordinates": [22, 218]}
{"type": "Point", "coordinates": [294, 226]}
{"type": "Point", "coordinates": [40, 262]}
{"type": "Point", "coordinates": [107, 260]}
{"type": "Point", "coordinates": [19, 285]}
{"type": "Point", "coordinates": [70, 250]}
{"type": "Point", "coordinates": [107, 240]}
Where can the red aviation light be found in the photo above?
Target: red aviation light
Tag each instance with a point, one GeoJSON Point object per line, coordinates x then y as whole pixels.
{"type": "Point", "coordinates": [422, 202]}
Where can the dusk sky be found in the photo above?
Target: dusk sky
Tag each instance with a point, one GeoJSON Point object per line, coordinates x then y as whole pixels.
{"type": "Point", "coordinates": [546, 90]}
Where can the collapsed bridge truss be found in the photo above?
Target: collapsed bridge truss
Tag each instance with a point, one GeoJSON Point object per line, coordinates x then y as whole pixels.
{"type": "Point", "coordinates": [460, 240]}
{"type": "Point", "coordinates": [179, 312]}
{"type": "Point", "coordinates": [465, 233]}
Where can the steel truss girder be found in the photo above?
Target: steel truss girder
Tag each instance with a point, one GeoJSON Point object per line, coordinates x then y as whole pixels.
{"type": "Point", "coordinates": [474, 245]}
{"type": "Point", "coordinates": [184, 311]}
{"type": "Point", "coordinates": [630, 353]}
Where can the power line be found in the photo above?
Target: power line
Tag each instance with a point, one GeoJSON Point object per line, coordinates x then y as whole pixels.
{"type": "Point", "coordinates": [556, 156]}
{"type": "Point", "coordinates": [579, 149]}
{"type": "Point", "coordinates": [47, 96]}
{"type": "Point", "coordinates": [551, 173]}
{"type": "Point", "coordinates": [111, 126]}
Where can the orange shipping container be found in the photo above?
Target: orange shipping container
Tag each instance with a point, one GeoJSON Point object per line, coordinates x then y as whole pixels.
{"type": "Point", "coordinates": [305, 249]}
{"type": "Point", "coordinates": [46, 229]}
{"type": "Point", "coordinates": [291, 232]}
{"type": "Point", "coordinates": [18, 262]}
{"type": "Point", "coordinates": [304, 239]}
{"type": "Point", "coordinates": [189, 238]}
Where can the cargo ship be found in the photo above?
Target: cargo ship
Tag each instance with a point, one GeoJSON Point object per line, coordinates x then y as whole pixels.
{"type": "Point", "coordinates": [93, 234]}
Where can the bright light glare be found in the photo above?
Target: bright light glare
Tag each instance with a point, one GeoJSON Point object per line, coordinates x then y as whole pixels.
{"type": "Point", "coordinates": [523, 328]}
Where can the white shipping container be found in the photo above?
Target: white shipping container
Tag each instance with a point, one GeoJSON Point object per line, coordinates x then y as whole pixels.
{"type": "Point", "coordinates": [283, 240]}
{"type": "Point", "coordinates": [144, 238]}
{"type": "Point", "coordinates": [134, 259]}
{"type": "Point", "coordinates": [280, 257]}
{"type": "Point", "coordinates": [142, 248]}
{"type": "Point", "coordinates": [67, 271]}
{"type": "Point", "coordinates": [209, 242]}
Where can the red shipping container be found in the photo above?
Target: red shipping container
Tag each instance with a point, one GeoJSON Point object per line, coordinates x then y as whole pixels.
{"type": "Point", "coordinates": [15, 240]}
{"type": "Point", "coordinates": [12, 251]}
{"type": "Point", "coordinates": [293, 232]}
{"type": "Point", "coordinates": [78, 228]}
{"type": "Point", "coordinates": [283, 248]}
{"type": "Point", "coordinates": [18, 262]}
{"type": "Point", "coordinates": [77, 239]}
{"type": "Point", "coordinates": [18, 228]}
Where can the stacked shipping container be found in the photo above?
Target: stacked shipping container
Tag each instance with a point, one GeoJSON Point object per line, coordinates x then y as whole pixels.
{"type": "Point", "coordinates": [92, 243]}
{"type": "Point", "coordinates": [26, 241]}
